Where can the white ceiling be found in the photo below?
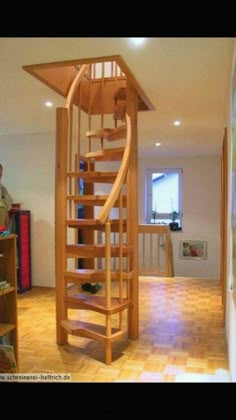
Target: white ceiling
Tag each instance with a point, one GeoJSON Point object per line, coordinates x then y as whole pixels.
{"type": "Point", "coordinates": [185, 78]}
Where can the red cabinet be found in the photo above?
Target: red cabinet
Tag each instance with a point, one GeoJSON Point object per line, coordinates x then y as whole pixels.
{"type": "Point", "coordinates": [20, 224]}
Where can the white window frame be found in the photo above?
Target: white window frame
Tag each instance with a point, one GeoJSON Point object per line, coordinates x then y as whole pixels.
{"type": "Point", "coordinates": [148, 193]}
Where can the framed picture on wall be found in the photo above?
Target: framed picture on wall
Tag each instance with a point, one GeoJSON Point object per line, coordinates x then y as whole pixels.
{"type": "Point", "coordinates": [193, 250]}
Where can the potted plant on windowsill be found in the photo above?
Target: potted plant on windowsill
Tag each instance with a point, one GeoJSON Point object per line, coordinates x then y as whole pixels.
{"type": "Point", "coordinates": [174, 225]}
{"type": "Point", "coordinates": [154, 215]}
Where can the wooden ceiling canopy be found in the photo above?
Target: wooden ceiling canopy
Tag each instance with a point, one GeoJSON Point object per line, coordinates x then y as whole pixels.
{"type": "Point", "coordinates": [107, 78]}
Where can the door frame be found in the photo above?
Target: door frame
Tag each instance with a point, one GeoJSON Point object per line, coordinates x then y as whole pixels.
{"type": "Point", "coordinates": [224, 217]}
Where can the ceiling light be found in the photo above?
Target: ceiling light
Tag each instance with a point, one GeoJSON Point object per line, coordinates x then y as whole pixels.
{"type": "Point", "coordinates": [177, 123]}
{"type": "Point", "coordinates": [158, 144]}
{"type": "Point", "coordinates": [48, 104]}
{"type": "Point", "coordinates": [137, 41]}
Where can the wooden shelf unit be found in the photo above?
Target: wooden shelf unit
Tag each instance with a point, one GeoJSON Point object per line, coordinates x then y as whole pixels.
{"type": "Point", "coordinates": [8, 296]}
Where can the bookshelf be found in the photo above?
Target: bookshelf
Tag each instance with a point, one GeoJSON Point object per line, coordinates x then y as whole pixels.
{"type": "Point", "coordinates": [8, 293]}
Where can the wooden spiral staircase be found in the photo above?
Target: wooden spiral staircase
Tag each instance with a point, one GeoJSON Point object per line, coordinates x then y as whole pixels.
{"type": "Point", "coordinates": [99, 92]}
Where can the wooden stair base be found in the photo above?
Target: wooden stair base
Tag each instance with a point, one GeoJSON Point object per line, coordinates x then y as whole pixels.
{"type": "Point", "coordinates": [81, 275]}
{"type": "Point", "coordinates": [95, 303]}
{"type": "Point", "coordinates": [89, 330]}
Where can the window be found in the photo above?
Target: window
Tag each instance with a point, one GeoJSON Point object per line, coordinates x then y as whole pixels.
{"type": "Point", "coordinates": [163, 195]}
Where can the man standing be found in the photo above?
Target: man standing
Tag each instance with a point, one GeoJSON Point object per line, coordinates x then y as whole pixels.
{"type": "Point", "coordinates": [5, 202]}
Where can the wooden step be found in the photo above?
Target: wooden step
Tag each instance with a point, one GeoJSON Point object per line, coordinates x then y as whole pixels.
{"type": "Point", "coordinates": [95, 224]}
{"type": "Point", "coordinates": [108, 133]}
{"type": "Point", "coordinates": [106, 154]}
{"type": "Point", "coordinates": [95, 251]}
{"type": "Point", "coordinates": [118, 133]}
{"type": "Point", "coordinates": [89, 330]}
{"type": "Point", "coordinates": [80, 275]}
{"type": "Point", "coordinates": [95, 303]}
{"type": "Point", "coordinates": [94, 176]}
{"type": "Point", "coordinates": [97, 134]}
{"type": "Point", "coordinates": [94, 200]}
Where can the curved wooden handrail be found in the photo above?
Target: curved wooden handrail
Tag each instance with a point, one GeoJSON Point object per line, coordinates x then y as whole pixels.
{"type": "Point", "coordinates": [74, 85]}
{"type": "Point", "coordinates": [115, 191]}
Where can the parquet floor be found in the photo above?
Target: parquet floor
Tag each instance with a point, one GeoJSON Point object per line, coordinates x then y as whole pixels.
{"type": "Point", "coordinates": [181, 330]}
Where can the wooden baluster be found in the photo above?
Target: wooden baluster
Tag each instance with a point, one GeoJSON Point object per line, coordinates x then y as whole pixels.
{"type": "Point", "coordinates": [158, 254]}
{"type": "Point", "coordinates": [120, 257]}
{"type": "Point", "coordinates": [108, 290]}
{"type": "Point", "coordinates": [150, 252]}
{"type": "Point", "coordinates": [79, 130]}
{"type": "Point", "coordinates": [143, 253]}
{"type": "Point", "coordinates": [70, 157]}
{"type": "Point", "coordinates": [89, 110]}
{"type": "Point", "coordinates": [108, 264]}
{"type": "Point", "coordinates": [115, 91]}
{"type": "Point", "coordinates": [102, 104]}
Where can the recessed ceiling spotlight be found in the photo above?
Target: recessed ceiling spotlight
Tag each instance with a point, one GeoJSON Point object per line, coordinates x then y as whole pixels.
{"type": "Point", "coordinates": [157, 144]}
{"type": "Point", "coordinates": [137, 41]}
{"type": "Point", "coordinates": [177, 123]}
{"type": "Point", "coordinates": [48, 104]}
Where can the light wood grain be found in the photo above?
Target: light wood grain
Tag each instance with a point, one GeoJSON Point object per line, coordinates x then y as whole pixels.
{"type": "Point", "coordinates": [181, 330]}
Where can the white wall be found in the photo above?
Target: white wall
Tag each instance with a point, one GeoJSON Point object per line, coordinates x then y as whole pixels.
{"type": "Point", "coordinates": [230, 305]}
{"type": "Point", "coordinates": [201, 211]}
{"type": "Point", "coordinates": [29, 166]}
{"type": "Point", "coordinates": [29, 175]}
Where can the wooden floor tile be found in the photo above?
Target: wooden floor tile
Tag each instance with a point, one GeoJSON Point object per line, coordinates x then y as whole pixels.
{"type": "Point", "coordinates": [181, 330]}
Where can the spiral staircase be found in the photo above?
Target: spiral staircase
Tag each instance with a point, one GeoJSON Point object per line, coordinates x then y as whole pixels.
{"type": "Point", "coordinates": [98, 126]}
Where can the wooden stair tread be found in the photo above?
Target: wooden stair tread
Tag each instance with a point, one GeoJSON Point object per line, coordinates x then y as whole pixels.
{"type": "Point", "coordinates": [80, 275]}
{"type": "Point", "coordinates": [118, 133]}
{"type": "Point", "coordinates": [89, 330]}
{"type": "Point", "coordinates": [115, 153]}
{"type": "Point", "coordinates": [108, 133]}
{"type": "Point", "coordinates": [97, 134]}
{"type": "Point", "coordinates": [95, 303]}
{"type": "Point", "coordinates": [95, 250]}
{"type": "Point", "coordinates": [94, 200]}
{"type": "Point", "coordinates": [95, 224]}
{"type": "Point", "coordinates": [94, 176]}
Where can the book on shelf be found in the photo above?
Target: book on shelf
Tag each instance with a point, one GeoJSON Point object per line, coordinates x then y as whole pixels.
{"type": "Point", "coordinates": [5, 339]}
{"type": "Point", "coordinates": [7, 359]}
{"type": "Point", "coordinates": [4, 284]}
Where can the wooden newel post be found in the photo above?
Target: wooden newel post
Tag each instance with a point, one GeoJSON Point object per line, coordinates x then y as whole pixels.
{"type": "Point", "coordinates": [60, 218]}
{"type": "Point", "coordinates": [132, 189]}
